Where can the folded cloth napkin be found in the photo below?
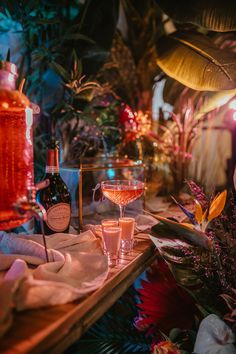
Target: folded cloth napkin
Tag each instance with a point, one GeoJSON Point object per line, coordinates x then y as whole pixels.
{"type": "Point", "coordinates": [77, 266]}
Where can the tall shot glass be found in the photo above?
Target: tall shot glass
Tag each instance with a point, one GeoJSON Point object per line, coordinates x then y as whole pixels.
{"type": "Point", "coordinates": [112, 239]}
{"type": "Point", "coordinates": [127, 233]}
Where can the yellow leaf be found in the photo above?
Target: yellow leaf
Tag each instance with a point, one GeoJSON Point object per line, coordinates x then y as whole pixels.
{"type": "Point", "coordinates": [191, 226]}
{"type": "Point", "coordinates": [217, 205]}
{"type": "Point", "coordinates": [198, 212]}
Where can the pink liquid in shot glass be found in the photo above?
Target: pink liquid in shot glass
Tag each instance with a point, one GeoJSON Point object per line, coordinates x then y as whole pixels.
{"type": "Point", "coordinates": [112, 237]}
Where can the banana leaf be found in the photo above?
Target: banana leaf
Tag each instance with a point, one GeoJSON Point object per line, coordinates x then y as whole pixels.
{"type": "Point", "coordinates": [178, 254]}
{"type": "Point", "coordinates": [214, 15]}
{"type": "Point", "coordinates": [172, 250]}
{"type": "Point", "coordinates": [211, 100]}
{"type": "Point", "coordinates": [173, 89]}
{"type": "Point", "coordinates": [174, 230]}
{"type": "Point", "coordinates": [214, 100]}
{"type": "Point", "coordinates": [195, 61]}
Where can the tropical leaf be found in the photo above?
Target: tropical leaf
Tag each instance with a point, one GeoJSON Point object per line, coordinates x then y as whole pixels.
{"type": "Point", "coordinates": [98, 22]}
{"type": "Point", "coordinates": [183, 232]}
{"type": "Point", "coordinates": [173, 93]}
{"type": "Point", "coordinates": [114, 333]}
{"type": "Point", "coordinates": [77, 36]}
{"type": "Point", "coordinates": [60, 70]}
{"type": "Point", "coordinates": [176, 254]}
{"type": "Point", "coordinates": [217, 205]}
{"type": "Point", "coordinates": [191, 226]}
{"type": "Point", "coordinates": [195, 61]}
{"type": "Point", "coordinates": [214, 100]}
{"type": "Point", "coordinates": [172, 90]}
{"type": "Point", "coordinates": [214, 15]}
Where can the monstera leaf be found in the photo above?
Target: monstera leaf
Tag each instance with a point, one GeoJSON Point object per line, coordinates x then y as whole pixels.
{"type": "Point", "coordinates": [214, 15]}
{"type": "Point", "coordinates": [195, 61]}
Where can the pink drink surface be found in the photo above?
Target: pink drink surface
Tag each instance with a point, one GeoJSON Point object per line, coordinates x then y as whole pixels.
{"type": "Point", "coordinates": [109, 222]}
{"type": "Point", "coordinates": [16, 164]}
{"type": "Point", "coordinates": [122, 195]}
{"type": "Point", "coordinates": [127, 228]}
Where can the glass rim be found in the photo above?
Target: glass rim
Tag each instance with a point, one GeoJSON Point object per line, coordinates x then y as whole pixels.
{"type": "Point", "coordinates": [126, 218]}
{"type": "Point", "coordinates": [109, 220]}
{"type": "Point", "coordinates": [119, 182]}
{"type": "Point", "coordinates": [112, 228]}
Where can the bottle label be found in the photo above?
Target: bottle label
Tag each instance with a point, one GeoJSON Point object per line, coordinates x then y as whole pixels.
{"type": "Point", "coordinates": [58, 217]}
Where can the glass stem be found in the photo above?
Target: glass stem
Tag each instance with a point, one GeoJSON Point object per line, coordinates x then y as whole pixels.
{"type": "Point", "coordinates": [122, 211]}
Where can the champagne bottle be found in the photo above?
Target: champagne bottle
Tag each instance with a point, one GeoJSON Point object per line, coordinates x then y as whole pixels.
{"type": "Point", "coordinates": [55, 198]}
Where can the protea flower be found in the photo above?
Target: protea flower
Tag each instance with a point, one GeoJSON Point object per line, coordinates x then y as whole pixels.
{"type": "Point", "coordinates": [164, 304]}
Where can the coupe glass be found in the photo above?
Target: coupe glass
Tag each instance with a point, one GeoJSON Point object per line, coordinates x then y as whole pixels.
{"type": "Point", "coordinates": [122, 192]}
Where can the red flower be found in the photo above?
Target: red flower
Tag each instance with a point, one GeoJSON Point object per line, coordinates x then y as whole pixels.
{"type": "Point", "coordinates": [127, 118]}
{"type": "Point", "coordinates": [164, 304]}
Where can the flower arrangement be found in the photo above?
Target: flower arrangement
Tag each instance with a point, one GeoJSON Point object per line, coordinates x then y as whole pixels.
{"type": "Point", "coordinates": [92, 117]}
{"type": "Point", "coordinates": [176, 137]}
{"type": "Point", "coordinates": [187, 302]}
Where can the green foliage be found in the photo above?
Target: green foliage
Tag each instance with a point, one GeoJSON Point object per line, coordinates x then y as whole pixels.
{"type": "Point", "coordinates": [184, 339]}
{"type": "Point", "coordinates": [53, 32]}
{"type": "Point", "coordinates": [58, 37]}
{"type": "Point", "coordinates": [214, 15]}
{"type": "Point", "coordinates": [114, 333]}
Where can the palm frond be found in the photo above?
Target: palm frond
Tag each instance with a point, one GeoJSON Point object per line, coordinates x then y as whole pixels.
{"type": "Point", "coordinates": [114, 333]}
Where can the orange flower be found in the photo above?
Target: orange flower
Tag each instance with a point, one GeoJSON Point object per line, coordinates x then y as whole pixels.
{"type": "Point", "coordinates": [165, 347]}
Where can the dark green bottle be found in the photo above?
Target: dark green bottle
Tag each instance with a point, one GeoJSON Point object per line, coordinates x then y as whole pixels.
{"type": "Point", "coordinates": [56, 197]}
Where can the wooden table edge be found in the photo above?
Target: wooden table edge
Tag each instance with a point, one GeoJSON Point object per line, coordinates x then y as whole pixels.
{"type": "Point", "coordinates": [67, 329]}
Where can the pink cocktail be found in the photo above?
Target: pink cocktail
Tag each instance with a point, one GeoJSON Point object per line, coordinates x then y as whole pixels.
{"type": "Point", "coordinates": [122, 192]}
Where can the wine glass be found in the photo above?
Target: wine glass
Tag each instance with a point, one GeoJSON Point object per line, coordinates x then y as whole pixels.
{"type": "Point", "coordinates": [122, 192]}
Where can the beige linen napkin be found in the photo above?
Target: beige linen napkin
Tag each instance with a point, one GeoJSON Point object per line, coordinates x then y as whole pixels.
{"type": "Point", "coordinates": [77, 266]}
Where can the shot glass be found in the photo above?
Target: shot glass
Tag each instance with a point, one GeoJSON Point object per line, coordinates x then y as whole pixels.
{"type": "Point", "coordinates": [109, 222]}
{"type": "Point", "coordinates": [127, 233]}
{"type": "Point", "coordinates": [112, 237]}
